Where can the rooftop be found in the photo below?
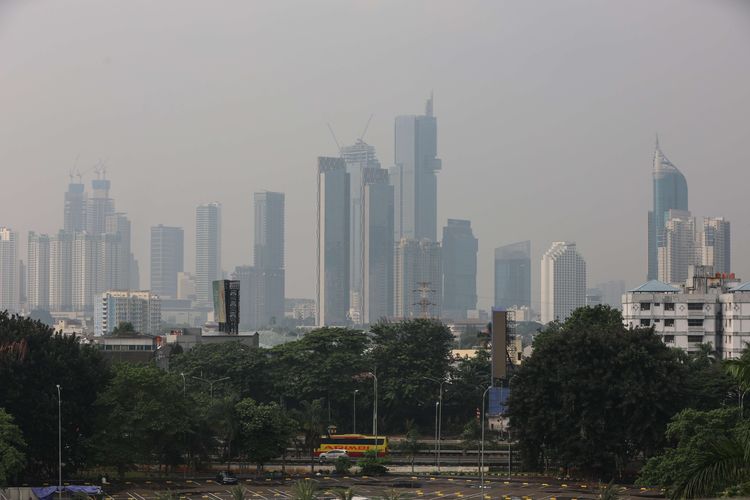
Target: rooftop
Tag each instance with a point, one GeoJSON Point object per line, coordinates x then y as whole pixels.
{"type": "Point", "coordinates": [655, 286]}
{"type": "Point", "coordinates": [745, 287]}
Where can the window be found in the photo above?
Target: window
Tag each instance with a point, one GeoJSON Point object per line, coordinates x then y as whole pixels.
{"type": "Point", "coordinates": [695, 338]}
{"type": "Point", "coordinates": [645, 306]}
{"type": "Point", "coordinates": [695, 322]}
{"type": "Point", "coordinates": [669, 338]}
{"type": "Point", "coordinates": [656, 304]}
{"type": "Point", "coordinates": [657, 320]}
{"type": "Point", "coordinates": [645, 322]}
{"type": "Point", "coordinates": [695, 306]}
{"type": "Point", "coordinates": [668, 322]}
{"type": "Point", "coordinates": [669, 306]}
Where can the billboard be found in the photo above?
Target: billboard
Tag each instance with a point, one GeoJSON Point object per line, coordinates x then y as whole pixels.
{"type": "Point", "coordinates": [220, 302]}
{"type": "Point", "coordinates": [227, 305]}
{"type": "Point", "coordinates": [498, 401]}
{"type": "Point", "coordinates": [499, 342]}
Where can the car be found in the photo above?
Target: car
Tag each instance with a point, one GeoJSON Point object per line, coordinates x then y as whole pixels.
{"type": "Point", "coordinates": [226, 477]}
{"type": "Point", "coordinates": [332, 455]}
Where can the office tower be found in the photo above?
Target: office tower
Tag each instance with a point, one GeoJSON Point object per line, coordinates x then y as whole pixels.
{"type": "Point", "coordinates": [715, 244]}
{"type": "Point", "coordinates": [22, 286]}
{"type": "Point", "coordinates": [38, 271]}
{"type": "Point", "coordinates": [513, 275]}
{"type": "Point", "coordinates": [61, 271]}
{"type": "Point", "coordinates": [110, 261]}
{"type": "Point", "coordinates": [167, 259]}
{"type": "Point", "coordinates": [207, 250]}
{"type": "Point", "coordinates": [563, 281]}
{"type": "Point", "coordinates": [418, 279]}
{"type": "Point", "coordinates": [414, 176]}
{"type": "Point", "coordinates": [83, 271]}
{"type": "Point", "coordinates": [267, 306]}
{"type": "Point", "coordinates": [8, 270]}
{"type": "Point", "coordinates": [332, 293]}
{"type": "Point", "coordinates": [460, 249]}
{"type": "Point", "coordinates": [679, 250]}
{"type": "Point", "coordinates": [134, 281]}
{"type": "Point", "coordinates": [119, 224]}
{"type": "Point", "coordinates": [376, 297]}
{"type": "Point", "coordinates": [186, 286]}
{"type": "Point", "coordinates": [670, 193]}
{"type": "Point", "coordinates": [75, 207]}
{"type": "Point", "coordinates": [140, 308]}
{"type": "Point", "coordinates": [247, 278]}
{"type": "Point", "coordinates": [100, 205]}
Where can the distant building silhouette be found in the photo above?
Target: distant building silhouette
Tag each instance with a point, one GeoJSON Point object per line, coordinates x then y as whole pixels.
{"type": "Point", "coordinates": [563, 276]}
{"type": "Point", "coordinates": [513, 275]}
{"type": "Point", "coordinates": [460, 249]}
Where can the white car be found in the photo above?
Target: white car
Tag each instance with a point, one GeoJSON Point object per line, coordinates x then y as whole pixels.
{"type": "Point", "coordinates": [332, 455]}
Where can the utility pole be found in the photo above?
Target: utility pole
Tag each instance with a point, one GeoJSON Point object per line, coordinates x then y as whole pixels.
{"type": "Point", "coordinates": [59, 442]}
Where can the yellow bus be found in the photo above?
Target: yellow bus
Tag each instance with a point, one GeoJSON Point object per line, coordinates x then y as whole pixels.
{"type": "Point", "coordinates": [356, 445]}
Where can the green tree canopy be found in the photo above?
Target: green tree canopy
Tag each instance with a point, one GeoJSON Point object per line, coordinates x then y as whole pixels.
{"type": "Point", "coordinates": [264, 429]}
{"type": "Point", "coordinates": [12, 445]}
{"type": "Point", "coordinates": [124, 328]}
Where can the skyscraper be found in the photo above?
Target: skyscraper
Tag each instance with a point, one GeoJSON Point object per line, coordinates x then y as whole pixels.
{"type": "Point", "coordinates": [100, 205]}
{"type": "Point", "coordinates": [75, 207]}
{"type": "Point", "coordinates": [83, 271]}
{"type": "Point", "coordinates": [670, 192]}
{"type": "Point", "coordinates": [333, 242]}
{"type": "Point", "coordinates": [513, 275]}
{"type": "Point", "coordinates": [38, 270]}
{"type": "Point", "coordinates": [8, 270]}
{"type": "Point", "coordinates": [418, 279]}
{"type": "Point", "coordinates": [414, 176]}
{"type": "Point", "coordinates": [269, 230]}
{"type": "Point", "coordinates": [167, 259]}
{"type": "Point", "coordinates": [563, 281]}
{"type": "Point", "coordinates": [715, 242]}
{"type": "Point", "coordinates": [679, 250]}
{"type": "Point", "coordinates": [119, 224]}
{"type": "Point", "coordinates": [207, 251]}
{"type": "Point", "coordinates": [377, 247]}
{"type": "Point", "coordinates": [460, 249]}
{"type": "Point", "coordinates": [61, 271]}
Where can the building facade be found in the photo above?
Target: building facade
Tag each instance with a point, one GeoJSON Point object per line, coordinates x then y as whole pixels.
{"type": "Point", "coordinates": [37, 271]}
{"type": "Point", "coordinates": [266, 306]}
{"type": "Point", "coordinates": [333, 236]}
{"type": "Point", "coordinates": [715, 244]}
{"type": "Point", "coordinates": [142, 309]}
{"type": "Point", "coordinates": [460, 248]}
{"type": "Point", "coordinates": [513, 275]}
{"type": "Point", "coordinates": [9, 292]}
{"type": "Point", "coordinates": [563, 276]}
{"type": "Point", "coordinates": [418, 279]}
{"type": "Point", "coordinates": [207, 251]}
{"type": "Point", "coordinates": [377, 248]}
{"type": "Point", "coordinates": [167, 259]}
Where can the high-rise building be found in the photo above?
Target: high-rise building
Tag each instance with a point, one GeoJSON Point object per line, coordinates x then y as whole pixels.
{"type": "Point", "coordinates": [333, 242]}
{"type": "Point", "coordinates": [670, 193]}
{"type": "Point", "coordinates": [167, 259]}
{"type": "Point", "coordinates": [207, 251]}
{"type": "Point", "coordinates": [8, 270]}
{"type": "Point", "coordinates": [513, 275]}
{"type": "Point", "coordinates": [414, 176]}
{"type": "Point", "coordinates": [268, 250]}
{"type": "Point", "coordinates": [140, 308]}
{"type": "Point", "coordinates": [83, 271]}
{"type": "Point", "coordinates": [460, 249]}
{"type": "Point", "coordinates": [563, 281]}
{"type": "Point", "coordinates": [75, 207]}
{"type": "Point", "coordinates": [61, 271]}
{"type": "Point", "coordinates": [110, 261]}
{"type": "Point", "coordinates": [38, 271]}
{"type": "Point", "coordinates": [611, 293]}
{"type": "Point", "coordinates": [418, 279]}
{"type": "Point", "coordinates": [100, 205]}
{"type": "Point", "coordinates": [186, 286]}
{"type": "Point", "coordinates": [679, 250]}
{"type": "Point", "coordinates": [715, 244]}
{"type": "Point", "coordinates": [119, 224]}
{"type": "Point", "coordinates": [376, 297]}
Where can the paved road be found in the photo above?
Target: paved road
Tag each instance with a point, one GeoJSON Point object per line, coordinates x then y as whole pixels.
{"type": "Point", "coordinates": [411, 487]}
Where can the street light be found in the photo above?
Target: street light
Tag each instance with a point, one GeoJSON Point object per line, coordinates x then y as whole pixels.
{"type": "Point", "coordinates": [59, 441]}
{"type": "Point", "coordinates": [374, 410]}
{"type": "Point", "coordinates": [481, 467]}
{"type": "Point", "coordinates": [354, 424]}
{"type": "Point", "coordinates": [182, 374]}
{"type": "Point", "coordinates": [211, 383]}
{"type": "Point", "coordinates": [437, 404]}
{"type": "Point", "coordinates": [440, 419]}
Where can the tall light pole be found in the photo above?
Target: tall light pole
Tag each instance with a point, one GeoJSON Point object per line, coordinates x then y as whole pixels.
{"type": "Point", "coordinates": [481, 467]}
{"type": "Point", "coordinates": [440, 419]}
{"type": "Point", "coordinates": [211, 383]}
{"type": "Point", "coordinates": [437, 404]}
{"type": "Point", "coordinates": [59, 441]}
{"type": "Point", "coordinates": [182, 374]}
{"type": "Point", "coordinates": [354, 424]}
{"type": "Point", "coordinates": [375, 410]}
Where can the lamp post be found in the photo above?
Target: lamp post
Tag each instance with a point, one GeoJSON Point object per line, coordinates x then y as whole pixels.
{"type": "Point", "coordinates": [374, 410]}
{"type": "Point", "coordinates": [182, 374]}
{"type": "Point", "coordinates": [354, 424]}
{"type": "Point", "coordinates": [440, 419]}
{"type": "Point", "coordinates": [59, 441]}
{"type": "Point", "coordinates": [481, 467]}
{"type": "Point", "coordinates": [211, 383]}
{"type": "Point", "coordinates": [437, 404]}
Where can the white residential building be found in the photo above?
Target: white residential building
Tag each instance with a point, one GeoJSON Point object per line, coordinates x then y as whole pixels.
{"type": "Point", "coordinates": [8, 270]}
{"type": "Point", "coordinates": [679, 250]}
{"type": "Point", "coordinates": [142, 309]}
{"type": "Point", "coordinates": [38, 271]}
{"type": "Point", "coordinates": [207, 251]}
{"type": "Point", "coordinates": [563, 281]}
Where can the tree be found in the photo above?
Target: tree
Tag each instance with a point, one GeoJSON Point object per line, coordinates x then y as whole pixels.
{"type": "Point", "coordinates": [12, 458]}
{"type": "Point", "coordinates": [405, 355]}
{"type": "Point", "coordinates": [124, 328]}
{"type": "Point", "coordinates": [468, 378]}
{"type": "Point", "coordinates": [143, 418]}
{"type": "Point", "coordinates": [309, 420]}
{"type": "Point", "coordinates": [33, 360]}
{"type": "Point", "coordinates": [739, 370]}
{"type": "Point", "coordinates": [593, 395]}
{"type": "Point", "coordinates": [410, 444]}
{"type": "Point", "coordinates": [265, 430]}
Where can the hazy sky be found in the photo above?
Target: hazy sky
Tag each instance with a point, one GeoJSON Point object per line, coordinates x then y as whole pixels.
{"type": "Point", "coordinates": [546, 114]}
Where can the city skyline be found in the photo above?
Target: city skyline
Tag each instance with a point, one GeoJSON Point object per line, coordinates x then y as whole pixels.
{"type": "Point", "coordinates": [484, 138]}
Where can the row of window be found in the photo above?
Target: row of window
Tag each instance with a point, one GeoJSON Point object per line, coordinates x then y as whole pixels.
{"type": "Point", "coordinates": [669, 339]}
{"type": "Point", "coordinates": [117, 347]}
{"type": "Point", "coordinates": [669, 306]}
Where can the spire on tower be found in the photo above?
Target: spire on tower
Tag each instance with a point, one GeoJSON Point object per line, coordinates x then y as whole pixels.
{"type": "Point", "coordinates": [428, 109]}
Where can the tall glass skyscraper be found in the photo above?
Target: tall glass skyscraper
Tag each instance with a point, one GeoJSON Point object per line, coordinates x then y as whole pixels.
{"type": "Point", "coordinates": [460, 249]}
{"type": "Point", "coordinates": [670, 193]}
{"type": "Point", "coordinates": [513, 275]}
{"type": "Point", "coordinates": [207, 251]}
{"type": "Point", "coordinates": [167, 259]}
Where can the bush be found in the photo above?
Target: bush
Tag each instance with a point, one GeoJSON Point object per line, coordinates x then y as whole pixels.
{"type": "Point", "coordinates": [342, 465]}
{"type": "Point", "coordinates": [372, 465]}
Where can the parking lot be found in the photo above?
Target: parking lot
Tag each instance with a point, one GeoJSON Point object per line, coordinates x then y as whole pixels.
{"type": "Point", "coordinates": [414, 487]}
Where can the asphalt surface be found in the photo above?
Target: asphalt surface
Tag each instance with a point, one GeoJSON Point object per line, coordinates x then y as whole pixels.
{"type": "Point", "coordinates": [409, 487]}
